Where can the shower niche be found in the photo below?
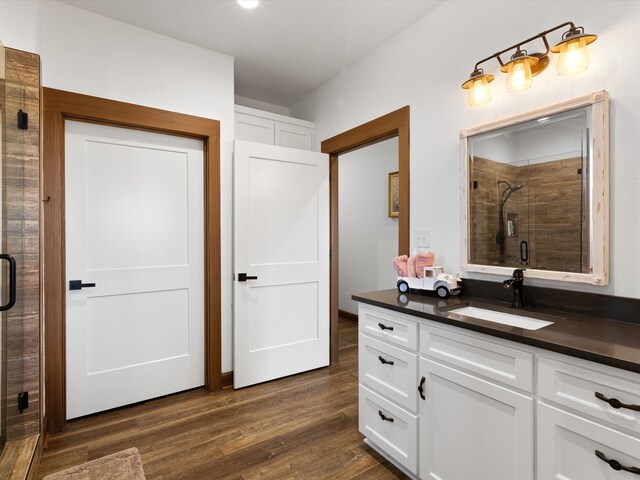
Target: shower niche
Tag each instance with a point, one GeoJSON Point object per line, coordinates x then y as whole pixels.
{"type": "Point", "coordinates": [535, 193]}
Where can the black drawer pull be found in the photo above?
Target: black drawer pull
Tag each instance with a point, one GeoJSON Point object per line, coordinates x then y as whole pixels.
{"type": "Point", "coordinates": [616, 464]}
{"type": "Point", "coordinates": [421, 388]}
{"type": "Point", "coordinates": [615, 403]}
{"type": "Point", "coordinates": [384, 417]}
{"type": "Point", "coordinates": [384, 361]}
{"type": "Point", "coordinates": [384, 327]}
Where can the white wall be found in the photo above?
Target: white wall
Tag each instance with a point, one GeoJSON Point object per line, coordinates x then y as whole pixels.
{"type": "Point", "coordinates": [368, 237]}
{"type": "Point", "coordinates": [425, 65]}
{"type": "Point", "coordinates": [86, 53]}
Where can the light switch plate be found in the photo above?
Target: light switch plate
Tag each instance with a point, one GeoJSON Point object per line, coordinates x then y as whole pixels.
{"type": "Point", "coordinates": [422, 237]}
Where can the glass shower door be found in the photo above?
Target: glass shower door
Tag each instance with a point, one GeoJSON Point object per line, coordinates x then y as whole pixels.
{"type": "Point", "coordinates": [19, 248]}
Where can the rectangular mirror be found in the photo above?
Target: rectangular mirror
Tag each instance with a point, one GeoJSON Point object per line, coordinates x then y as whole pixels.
{"type": "Point", "coordinates": [535, 193]}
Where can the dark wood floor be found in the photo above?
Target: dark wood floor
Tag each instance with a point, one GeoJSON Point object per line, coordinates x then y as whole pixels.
{"type": "Point", "coordinates": [300, 427]}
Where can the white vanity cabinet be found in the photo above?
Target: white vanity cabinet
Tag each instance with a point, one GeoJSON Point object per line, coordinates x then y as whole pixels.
{"type": "Point", "coordinates": [472, 408]}
{"type": "Point", "coordinates": [387, 371]}
{"type": "Point", "coordinates": [259, 126]}
{"type": "Point", "coordinates": [491, 409]}
{"type": "Point", "coordinates": [580, 434]}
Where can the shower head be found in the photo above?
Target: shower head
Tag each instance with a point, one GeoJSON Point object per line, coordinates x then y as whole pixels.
{"type": "Point", "coordinates": [510, 188]}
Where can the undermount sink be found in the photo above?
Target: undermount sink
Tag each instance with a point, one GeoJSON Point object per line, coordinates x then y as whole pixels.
{"type": "Point", "coordinates": [510, 319]}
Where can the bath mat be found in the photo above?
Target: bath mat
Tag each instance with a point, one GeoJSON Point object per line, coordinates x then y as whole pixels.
{"type": "Point", "coordinates": [125, 465]}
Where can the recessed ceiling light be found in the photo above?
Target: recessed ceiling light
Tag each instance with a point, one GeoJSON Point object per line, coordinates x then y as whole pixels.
{"type": "Point", "coordinates": [248, 4]}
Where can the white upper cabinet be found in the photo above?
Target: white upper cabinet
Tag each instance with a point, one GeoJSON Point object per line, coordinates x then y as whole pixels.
{"type": "Point", "coordinates": [265, 127]}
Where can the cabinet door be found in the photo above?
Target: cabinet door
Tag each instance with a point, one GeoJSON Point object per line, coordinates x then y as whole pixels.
{"type": "Point", "coordinates": [567, 446]}
{"type": "Point", "coordinates": [471, 428]}
{"type": "Point", "coordinates": [255, 129]}
{"type": "Point", "coordinates": [294, 136]}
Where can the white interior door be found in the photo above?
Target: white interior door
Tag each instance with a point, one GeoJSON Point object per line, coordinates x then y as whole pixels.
{"type": "Point", "coordinates": [134, 228]}
{"type": "Point", "coordinates": [281, 236]}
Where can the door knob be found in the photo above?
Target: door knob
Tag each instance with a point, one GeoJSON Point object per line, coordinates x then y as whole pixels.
{"type": "Point", "coordinates": [243, 277]}
{"type": "Point", "coordinates": [78, 285]}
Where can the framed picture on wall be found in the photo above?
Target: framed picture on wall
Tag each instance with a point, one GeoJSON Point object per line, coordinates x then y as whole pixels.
{"type": "Point", "coordinates": [394, 195]}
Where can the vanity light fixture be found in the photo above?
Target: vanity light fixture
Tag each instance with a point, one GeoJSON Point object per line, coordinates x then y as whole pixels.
{"type": "Point", "coordinates": [523, 66]}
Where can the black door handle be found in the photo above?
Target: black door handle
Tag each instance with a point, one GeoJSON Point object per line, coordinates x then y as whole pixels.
{"type": "Point", "coordinates": [78, 285]}
{"type": "Point", "coordinates": [524, 251]}
{"type": "Point", "coordinates": [243, 277]}
{"type": "Point", "coordinates": [12, 281]}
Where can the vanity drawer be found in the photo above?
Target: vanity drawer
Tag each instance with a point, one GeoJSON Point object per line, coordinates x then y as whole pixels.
{"type": "Point", "coordinates": [567, 446]}
{"type": "Point", "coordinates": [576, 386]}
{"type": "Point", "coordinates": [392, 429]}
{"type": "Point", "coordinates": [491, 359]}
{"type": "Point", "coordinates": [394, 328]}
{"type": "Point", "coordinates": [389, 370]}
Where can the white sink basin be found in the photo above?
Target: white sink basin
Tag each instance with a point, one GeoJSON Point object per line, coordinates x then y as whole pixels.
{"type": "Point", "coordinates": [510, 319]}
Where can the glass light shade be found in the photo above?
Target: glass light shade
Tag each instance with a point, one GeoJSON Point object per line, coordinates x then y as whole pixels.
{"type": "Point", "coordinates": [573, 57]}
{"type": "Point", "coordinates": [479, 92]}
{"type": "Point", "coordinates": [519, 76]}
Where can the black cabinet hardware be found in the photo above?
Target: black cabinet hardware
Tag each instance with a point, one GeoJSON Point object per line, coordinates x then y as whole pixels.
{"type": "Point", "coordinates": [421, 388]}
{"type": "Point", "coordinates": [78, 285]}
{"type": "Point", "coordinates": [615, 403]}
{"type": "Point", "coordinates": [384, 417]}
{"type": "Point", "coordinates": [616, 465]}
{"type": "Point", "coordinates": [384, 361]}
{"type": "Point", "coordinates": [12, 281]}
{"type": "Point", "coordinates": [243, 277]}
{"type": "Point", "coordinates": [384, 327]}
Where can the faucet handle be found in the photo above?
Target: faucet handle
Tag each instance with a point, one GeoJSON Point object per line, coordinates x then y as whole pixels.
{"type": "Point", "coordinates": [518, 273]}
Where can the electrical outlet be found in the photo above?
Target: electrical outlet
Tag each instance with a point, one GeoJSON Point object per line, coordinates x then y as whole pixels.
{"type": "Point", "coordinates": [422, 237]}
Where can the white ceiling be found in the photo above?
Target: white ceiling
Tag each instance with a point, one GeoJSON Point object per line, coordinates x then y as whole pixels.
{"type": "Point", "coordinates": [283, 49]}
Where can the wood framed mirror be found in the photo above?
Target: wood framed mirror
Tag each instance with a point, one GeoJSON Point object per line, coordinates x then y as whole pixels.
{"type": "Point", "coordinates": [535, 193]}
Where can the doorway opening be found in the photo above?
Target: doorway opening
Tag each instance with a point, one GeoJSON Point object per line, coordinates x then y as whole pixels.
{"type": "Point", "coordinates": [368, 218]}
{"type": "Point", "coordinates": [391, 125]}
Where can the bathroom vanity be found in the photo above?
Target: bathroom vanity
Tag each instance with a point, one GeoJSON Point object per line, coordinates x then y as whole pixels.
{"type": "Point", "coordinates": [540, 394]}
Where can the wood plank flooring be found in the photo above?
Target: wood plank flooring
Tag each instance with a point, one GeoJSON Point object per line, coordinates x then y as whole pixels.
{"type": "Point", "coordinates": [300, 427]}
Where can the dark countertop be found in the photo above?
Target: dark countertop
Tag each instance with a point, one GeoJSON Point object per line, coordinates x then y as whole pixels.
{"type": "Point", "coordinates": [610, 342]}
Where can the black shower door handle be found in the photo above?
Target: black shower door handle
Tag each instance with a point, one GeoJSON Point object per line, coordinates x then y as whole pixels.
{"type": "Point", "coordinates": [524, 251]}
{"type": "Point", "coordinates": [12, 281]}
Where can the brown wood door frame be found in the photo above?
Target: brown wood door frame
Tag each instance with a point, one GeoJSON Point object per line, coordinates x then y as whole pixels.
{"type": "Point", "coordinates": [59, 106]}
{"type": "Point", "coordinates": [394, 124]}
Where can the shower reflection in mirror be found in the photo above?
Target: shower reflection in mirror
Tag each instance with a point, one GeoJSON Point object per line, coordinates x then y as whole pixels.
{"type": "Point", "coordinates": [529, 188]}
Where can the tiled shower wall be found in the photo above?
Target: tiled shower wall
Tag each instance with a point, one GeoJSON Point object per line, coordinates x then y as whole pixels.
{"type": "Point", "coordinates": [21, 238]}
{"type": "Point", "coordinates": [549, 214]}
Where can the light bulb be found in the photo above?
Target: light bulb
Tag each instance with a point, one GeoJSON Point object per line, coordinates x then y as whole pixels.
{"type": "Point", "coordinates": [573, 57]}
{"type": "Point", "coordinates": [519, 76]}
{"type": "Point", "coordinates": [249, 4]}
{"type": "Point", "coordinates": [479, 93]}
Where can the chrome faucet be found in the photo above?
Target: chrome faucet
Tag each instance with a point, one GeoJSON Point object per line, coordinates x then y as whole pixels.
{"type": "Point", "coordinates": [516, 282]}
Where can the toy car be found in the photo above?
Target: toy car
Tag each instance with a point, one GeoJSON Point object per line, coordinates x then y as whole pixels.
{"type": "Point", "coordinates": [434, 279]}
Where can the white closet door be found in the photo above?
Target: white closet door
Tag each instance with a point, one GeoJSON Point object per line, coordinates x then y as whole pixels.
{"type": "Point", "coordinates": [135, 229]}
{"type": "Point", "coordinates": [281, 236]}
